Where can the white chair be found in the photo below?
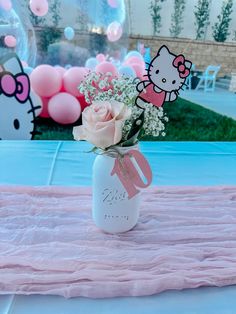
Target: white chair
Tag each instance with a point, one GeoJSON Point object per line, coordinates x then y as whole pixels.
{"type": "Point", "coordinates": [208, 78]}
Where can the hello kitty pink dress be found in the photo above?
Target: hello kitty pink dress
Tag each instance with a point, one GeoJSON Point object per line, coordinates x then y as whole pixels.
{"type": "Point", "coordinates": [151, 96]}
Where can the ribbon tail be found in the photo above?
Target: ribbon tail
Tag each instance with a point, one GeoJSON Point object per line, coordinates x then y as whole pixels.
{"type": "Point", "coordinates": [129, 175]}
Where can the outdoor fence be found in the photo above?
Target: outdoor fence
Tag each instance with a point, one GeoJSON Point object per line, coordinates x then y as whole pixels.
{"type": "Point", "coordinates": [201, 53]}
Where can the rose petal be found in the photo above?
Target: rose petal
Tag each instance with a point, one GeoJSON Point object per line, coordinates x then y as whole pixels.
{"type": "Point", "coordinates": [78, 133]}
{"type": "Point", "coordinates": [102, 123]}
{"type": "Point", "coordinates": [118, 132]}
{"type": "Point", "coordinates": [117, 108]}
{"type": "Point", "coordinates": [103, 137]}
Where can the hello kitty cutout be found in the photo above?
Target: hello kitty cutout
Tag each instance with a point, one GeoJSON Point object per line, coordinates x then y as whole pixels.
{"type": "Point", "coordinates": [166, 74]}
{"type": "Point", "coordinates": [18, 104]}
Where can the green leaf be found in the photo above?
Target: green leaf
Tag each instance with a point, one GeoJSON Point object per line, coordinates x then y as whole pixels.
{"type": "Point", "coordinates": [93, 150]}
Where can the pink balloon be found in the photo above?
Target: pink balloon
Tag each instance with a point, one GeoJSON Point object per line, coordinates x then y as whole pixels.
{"type": "Point", "coordinates": [39, 7]}
{"type": "Point", "coordinates": [45, 80]}
{"type": "Point", "coordinates": [101, 57]}
{"type": "Point", "coordinates": [106, 67]}
{"type": "Point", "coordinates": [135, 60]}
{"type": "Point", "coordinates": [10, 41]}
{"type": "Point", "coordinates": [6, 5]}
{"type": "Point", "coordinates": [44, 113]}
{"type": "Point", "coordinates": [72, 79]}
{"type": "Point", "coordinates": [64, 108]}
{"type": "Point", "coordinates": [114, 31]}
{"type": "Point", "coordinates": [138, 70]}
{"type": "Point", "coordinates": [60, 70]}
{"type": "Point", "coordinates": [113, 3]}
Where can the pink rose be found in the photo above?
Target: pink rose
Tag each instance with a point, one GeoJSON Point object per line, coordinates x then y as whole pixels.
{"type": "Point", "coordinates": [102, 123]}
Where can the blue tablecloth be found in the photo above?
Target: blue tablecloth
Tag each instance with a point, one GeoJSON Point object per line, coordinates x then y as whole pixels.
{"type": "Point", "coordinates": [67, 163]}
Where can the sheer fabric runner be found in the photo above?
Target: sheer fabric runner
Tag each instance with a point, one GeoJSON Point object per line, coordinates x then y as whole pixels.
{"type": "Point", "coordinates": [185, 238]}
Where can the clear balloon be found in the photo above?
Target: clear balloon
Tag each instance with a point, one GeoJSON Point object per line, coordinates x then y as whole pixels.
{"type": "Point", "coordinates": [114, 31]}
{"type": "Point", "coordinates": [10, 41]}
{"type": "Point", "coordinates": [69, 33]}
{"type": "Point", "coordinates": [39, 37]}
{"type": "Point", "coordinates": [39, 7]}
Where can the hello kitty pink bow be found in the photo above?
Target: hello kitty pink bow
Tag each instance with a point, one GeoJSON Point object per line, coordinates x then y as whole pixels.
{"type": "Point", "coordinates": [17, 86]}
{"type": "Point", "coordinates": [179, 63]}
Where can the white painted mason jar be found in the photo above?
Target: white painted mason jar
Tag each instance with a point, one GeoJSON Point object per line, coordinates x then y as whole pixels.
{"type": "Point", "coordinates": [113, 212]}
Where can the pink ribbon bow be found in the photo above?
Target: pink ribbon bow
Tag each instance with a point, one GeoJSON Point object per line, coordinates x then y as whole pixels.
{"type": "Point", "coordinates": [179, 63]}
{"type": "Point", "coordinates": [17, 86]}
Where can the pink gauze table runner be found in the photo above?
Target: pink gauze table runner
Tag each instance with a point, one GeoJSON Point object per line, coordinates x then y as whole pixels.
{"type": "Point", "coordinates": [185, 238]}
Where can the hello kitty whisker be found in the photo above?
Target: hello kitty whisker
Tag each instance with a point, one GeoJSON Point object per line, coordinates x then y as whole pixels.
{"type": "Point", "coordinates": [33, 109]}
{"type": "Point", "coordinates": [149, 64]}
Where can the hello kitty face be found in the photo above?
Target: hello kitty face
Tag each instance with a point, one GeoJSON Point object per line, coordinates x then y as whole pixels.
{"type": "Point", "coordinates": [17, 111]}
{"type": "Point", "coordinates": [167, 71]}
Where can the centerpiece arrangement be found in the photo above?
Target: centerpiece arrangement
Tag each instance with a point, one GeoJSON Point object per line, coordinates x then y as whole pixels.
{"type": "Point", "coordinates": [114, 124]}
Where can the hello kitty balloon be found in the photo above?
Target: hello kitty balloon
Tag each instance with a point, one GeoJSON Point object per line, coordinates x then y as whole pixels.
{"type": "Point", "coordinates": [167, 74]}
{"type": "Point", "coordinates": [18, 104]}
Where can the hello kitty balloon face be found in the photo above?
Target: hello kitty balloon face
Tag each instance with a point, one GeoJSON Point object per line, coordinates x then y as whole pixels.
{"type": "Point", "coordinates": [17, 111]}
{"type": "Point", "coordinates": [167, 74]}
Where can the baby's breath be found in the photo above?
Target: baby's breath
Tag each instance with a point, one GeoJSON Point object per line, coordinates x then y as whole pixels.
{"type": "Point", "coordinates": [154, 119]}
{"type": "Point", "coordinates": [104, 87]}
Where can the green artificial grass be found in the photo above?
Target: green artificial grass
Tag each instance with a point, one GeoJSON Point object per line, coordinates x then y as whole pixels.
{"type": "Point", "coordinates": [187, 122]}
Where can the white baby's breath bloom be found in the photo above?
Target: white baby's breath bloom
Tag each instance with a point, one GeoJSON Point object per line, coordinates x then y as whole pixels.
{"type": "Point", "coordinates": [153, 121]}
{"type": "Point", "coordinates": [104, 87]}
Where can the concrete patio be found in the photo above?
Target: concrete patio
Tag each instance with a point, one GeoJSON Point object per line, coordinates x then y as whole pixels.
{"type": "Point", "coordinates": [220, 101]}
